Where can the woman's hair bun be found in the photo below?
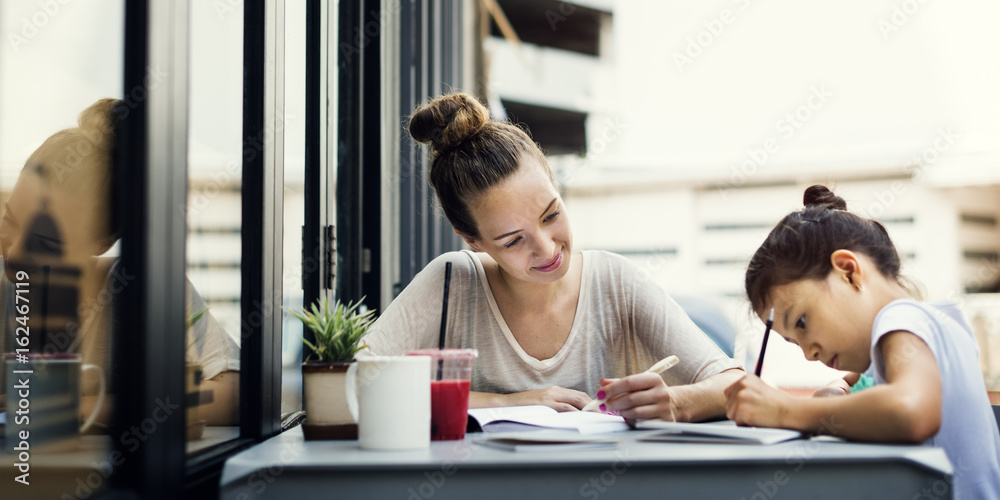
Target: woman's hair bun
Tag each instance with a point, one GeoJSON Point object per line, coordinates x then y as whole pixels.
{"type": "Point", "coordinates": [819, 195]}
{"type": "Point", "coordinates": [447, 121]}
{"type": "Point", "coordinates": [98, 121]}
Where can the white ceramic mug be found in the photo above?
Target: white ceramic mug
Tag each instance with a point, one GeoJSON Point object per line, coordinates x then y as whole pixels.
{"type": "Point", "coordinates": [390, 398]}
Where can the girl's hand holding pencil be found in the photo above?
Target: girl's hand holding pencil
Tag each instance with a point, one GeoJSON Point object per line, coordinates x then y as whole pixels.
{"type": "Point", "coordinates": [750, 401]}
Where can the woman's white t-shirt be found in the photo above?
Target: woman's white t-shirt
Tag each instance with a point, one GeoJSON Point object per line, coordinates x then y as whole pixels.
{"type": "Point", "coordinates": [623, 325]}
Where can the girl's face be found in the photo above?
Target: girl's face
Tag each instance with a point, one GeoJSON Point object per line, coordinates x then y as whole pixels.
{"type": "Point", "coordinates": [828, 319]}
{"type": "Point", "coordinates": [523, 225]}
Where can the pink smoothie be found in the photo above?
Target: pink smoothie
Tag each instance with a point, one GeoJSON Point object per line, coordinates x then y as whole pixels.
{"type": "Point", "coordinates": [449, 409]}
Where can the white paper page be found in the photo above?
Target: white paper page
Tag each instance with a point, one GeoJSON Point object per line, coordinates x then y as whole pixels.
{"type": "Point", "coordinates": [727, 430]}
{"type": "Point", "coordinates": [497, 419]}
{"type": "Point", "coordinates": [487, 415]}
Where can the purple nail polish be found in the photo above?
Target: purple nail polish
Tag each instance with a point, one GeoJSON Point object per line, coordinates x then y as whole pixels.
{"type": "Point", "coordinates": [601, 395]}
{"type": "Point", "coordinates": [602, 408]}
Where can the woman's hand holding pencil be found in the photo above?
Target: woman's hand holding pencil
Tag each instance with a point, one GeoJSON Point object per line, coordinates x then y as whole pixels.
{"type": "Point", "coordinates": [659, 367]}
{"type": "Point", "coordinates": [644, 395]}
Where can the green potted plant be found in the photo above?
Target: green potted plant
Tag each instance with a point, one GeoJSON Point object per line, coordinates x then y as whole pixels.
{"type": "Point", "coordinates": [338, 331]}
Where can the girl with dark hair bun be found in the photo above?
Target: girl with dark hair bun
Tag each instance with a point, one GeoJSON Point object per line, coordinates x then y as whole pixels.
{"type": "Point", "coordinates": [553, 326]}
{"type": "Point", "coordinates": [832, 279]}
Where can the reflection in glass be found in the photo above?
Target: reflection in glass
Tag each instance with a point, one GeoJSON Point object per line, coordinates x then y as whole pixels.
{"type": "Point", "coordinates": [215, 153]}
{"type": "Point", "coordinates": [59, 65]}
{"type": "Point", "coordinates": [56, 288]}
{"type": "Point", "coordinates": [294, 203]}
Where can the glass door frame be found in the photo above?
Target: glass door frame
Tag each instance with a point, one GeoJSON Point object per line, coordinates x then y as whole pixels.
{"type": "Point", "coordinates": [150, 197]}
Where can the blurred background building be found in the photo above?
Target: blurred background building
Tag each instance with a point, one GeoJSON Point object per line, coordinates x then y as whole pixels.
{"type": "Point", "coordinates": [683, 131]}
{"type": "Point", "coordinates": [680, 133]}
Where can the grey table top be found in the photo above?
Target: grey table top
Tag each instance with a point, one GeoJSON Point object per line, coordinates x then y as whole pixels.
{"type": "Point", "coordinates": [290, 452]}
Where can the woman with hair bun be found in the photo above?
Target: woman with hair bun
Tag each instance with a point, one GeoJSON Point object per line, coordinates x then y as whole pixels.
{"type": "Point", "coordinates": [832, 280]}
{"type": "Point", "coordinates": [553, 326]}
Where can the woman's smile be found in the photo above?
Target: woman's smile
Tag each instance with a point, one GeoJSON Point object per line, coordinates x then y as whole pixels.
{"type": "Point", "coordinates": [552, 265]}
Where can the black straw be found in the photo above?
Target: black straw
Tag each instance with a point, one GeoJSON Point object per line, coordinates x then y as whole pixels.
{"type": "Point", "coordinates": [763, 346]}
{"type": "Point", "coordinates": [444, 316]}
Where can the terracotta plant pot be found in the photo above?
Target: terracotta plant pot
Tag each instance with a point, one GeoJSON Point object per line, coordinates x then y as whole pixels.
{"type": "Point", "coordinates": [325, 401]}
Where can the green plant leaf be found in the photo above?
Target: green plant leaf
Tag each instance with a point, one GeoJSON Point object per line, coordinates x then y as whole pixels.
{"type": "Point", "coordinates": [189, 322]}
{"type": "Point", "coordinates": [338, 330]}
{"type": "Point", "coordinates": [195, 317]}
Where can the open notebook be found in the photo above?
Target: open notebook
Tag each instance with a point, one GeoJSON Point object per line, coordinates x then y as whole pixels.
{"type": "Point", "coordinates": [714, 432]}
{"type": "Point", "coordinates": [537, 417]}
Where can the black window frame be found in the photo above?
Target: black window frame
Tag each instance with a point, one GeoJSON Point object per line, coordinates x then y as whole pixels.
{"type": "Point", "coordinates": [151, 168]}
{"type": "Point", "coordinates": [433, 66]}
{"type": "Point", "coordinates": [150, 183]}
{"type": "Point", "coordinates": [152, 160]}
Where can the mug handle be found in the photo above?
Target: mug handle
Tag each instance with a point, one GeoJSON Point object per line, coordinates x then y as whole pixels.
{"type": "Point", "coordinates": [100, 396]}
{"type": "Point", "coordinates": [351, 391]}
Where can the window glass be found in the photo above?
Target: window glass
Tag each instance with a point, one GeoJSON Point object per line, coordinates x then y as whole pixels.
{"type": "Point", "coordinates": [61, 90]}
{"type": "Point", "coordinates": [215, 153]}
{"type": "Point", "coordinates": [294, 197]}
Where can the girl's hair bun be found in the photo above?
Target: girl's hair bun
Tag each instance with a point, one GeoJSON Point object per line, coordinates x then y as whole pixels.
{"type": "Point", "coordinates": [448, 121]}
{"type": "Point", "coordinates": [819, 195]}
